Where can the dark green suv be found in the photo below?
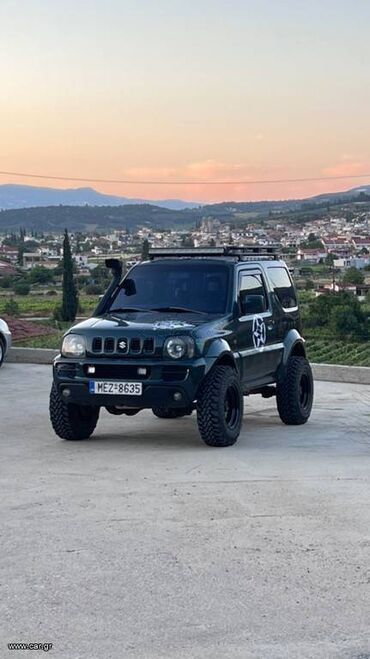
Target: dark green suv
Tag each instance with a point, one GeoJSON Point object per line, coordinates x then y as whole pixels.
{"type": "Point", "coordinates": [188, 329]}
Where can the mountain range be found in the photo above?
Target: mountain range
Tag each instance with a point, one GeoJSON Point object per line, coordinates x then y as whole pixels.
{"type": "Point", "coordinates": [28, 196]}
{"type": "Point", "coordinates": [85, 209]}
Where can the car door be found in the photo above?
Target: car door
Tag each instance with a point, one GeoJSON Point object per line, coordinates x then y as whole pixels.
{"type": "Point", "coordinates": [285, 296]}
{"type": "Point", "coordinates": [256, 329]}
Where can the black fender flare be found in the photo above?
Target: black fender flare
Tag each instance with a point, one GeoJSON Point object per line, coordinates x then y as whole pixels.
{"type": "Point", "coordinates": [219, 352]}
{"type": "Point", "coordinates": [294, 344]}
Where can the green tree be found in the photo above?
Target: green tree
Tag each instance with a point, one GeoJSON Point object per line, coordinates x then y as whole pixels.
{"type": "Point", "coordinates": [101, 276]}
{"type": "Point", "coordinates": [145, 250]}
{"type": "Point", "coordinates": [7, 282]}
{"type": "Point", "coordinates": [353, 276]}
{"type": "Point", "coordinates": [40, 275]}
{"type": "Point", "coordinates": [330, 258]}
{"type": "Point", "coordinates": [70, 297]}
{"type": "Point", "coordinates": [347, 324]}
{"type": "Point", "coordinates": [312, 244]}
{"type": "Point", "coordinates": [187, 241]}
{"type": "Point", "coordinates": [21, 288]}
{"type": "Point", "coordinates": [21, 251]}
{"type": "Point", "coordinates": [338, 315]}
{"type": "Point", "coordinates": [309, 284]}
{"type": "Point", "coordinates": [94, 289]}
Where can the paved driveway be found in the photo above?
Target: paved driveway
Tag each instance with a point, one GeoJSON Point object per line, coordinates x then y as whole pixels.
{"type": "Point", "coordinates": [143, 542]}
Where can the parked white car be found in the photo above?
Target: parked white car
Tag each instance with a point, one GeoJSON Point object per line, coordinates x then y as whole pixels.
{"type": "Point", "coordinates": [5, 340]}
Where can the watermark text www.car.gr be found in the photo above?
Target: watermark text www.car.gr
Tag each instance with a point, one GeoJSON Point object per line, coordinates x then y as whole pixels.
{"type": "Point", "coordinates": [30, 646]}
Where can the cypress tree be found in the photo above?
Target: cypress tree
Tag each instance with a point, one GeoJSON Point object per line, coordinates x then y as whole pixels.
{"type": "Point", "coordinates": [145, 250]}
{"type": "Point", "coordinates": [70, 298]}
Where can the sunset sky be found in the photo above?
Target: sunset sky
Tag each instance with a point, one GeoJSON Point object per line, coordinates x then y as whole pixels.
{"type": "Point", "coordinates": [186, 90]}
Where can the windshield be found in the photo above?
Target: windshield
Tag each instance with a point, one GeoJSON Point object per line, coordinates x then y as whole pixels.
{"type": "Point", "coordinates": [199, 287]}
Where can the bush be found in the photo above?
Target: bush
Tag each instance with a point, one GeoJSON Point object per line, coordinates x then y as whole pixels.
{"type": "Point", "coordinates": [41, 275]}
{"type": "Point", "coordinates": [6, 282]}
{"type": "Point", "coordinates": [11, 307]}
{"type": "Point", "coordinates": [338, 314]}
{"type": "Point", "coordinates": [353, 276]}
{"type": "Point", "coordinates": [346, 324]}
{"type": "Point", "coordinates": [51, 292]}
{"type": "Point", "coordinates": [94, 289]}
{"type": "Point", "coordinates": [57, 312]}
{"type": "Point", "coordinates": [21, 288]}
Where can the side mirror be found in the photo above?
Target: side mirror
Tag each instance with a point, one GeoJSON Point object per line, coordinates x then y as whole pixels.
{"type": "Point", "coordinates": [251, 304]}
{"type": "Point", "coordinates": [129, 287]}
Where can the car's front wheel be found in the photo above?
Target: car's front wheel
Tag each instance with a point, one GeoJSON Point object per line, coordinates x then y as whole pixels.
{"type": "Point", "coordinates": [220, 407]}
{"type": "Point", "coordinates": [294, 393]}
{"type": "Point", "coordinates": [71, 421]}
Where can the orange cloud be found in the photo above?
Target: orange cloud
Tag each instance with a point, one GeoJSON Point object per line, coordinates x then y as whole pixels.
{"type": "Point", "coordinates": [206, 170]}
{"type": "Point", "coordinates": [347, 166]}
{"type": "Point", "coordinates": [195, 174]}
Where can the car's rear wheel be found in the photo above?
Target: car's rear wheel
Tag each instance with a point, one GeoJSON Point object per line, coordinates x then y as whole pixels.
{"type": "Point", "coordinates": [71, 421]}
{"type": "Point", "coordinates": [294, 393]}
{"type": "Point", "coordinates": [171, 413]}
{"type": "Point", "coordinates": [220, 407]}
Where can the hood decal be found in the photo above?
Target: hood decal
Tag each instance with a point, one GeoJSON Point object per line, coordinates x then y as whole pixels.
{"type": "Point", "coordinates": [172, 324]}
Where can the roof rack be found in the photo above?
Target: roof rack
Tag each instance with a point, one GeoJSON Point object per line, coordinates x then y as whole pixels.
{"type": "Point", "coordinates": [244, 253]}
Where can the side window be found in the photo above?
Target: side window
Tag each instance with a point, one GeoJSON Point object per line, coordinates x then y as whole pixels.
{"type": "Point", "coordinates": [283, 287]}
{"type": "Point", "coordinates": [252, 294]}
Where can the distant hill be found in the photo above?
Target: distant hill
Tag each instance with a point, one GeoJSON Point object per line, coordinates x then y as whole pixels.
{"type": "Point", "coordinates": [84, 217]}
{"type": "Point", "coordinates": [27, 196]}
{"type": "Point", "coordinates": [100, 218]}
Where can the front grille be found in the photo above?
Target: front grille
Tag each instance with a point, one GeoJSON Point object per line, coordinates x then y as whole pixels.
{"type": "Point", "coordinates": [109, 345]}
{"type": "Point", "coordinates": [148, 346]}
{"type": "Point", "coordinates": [122, 345]}
{"type": "Point", "coordinates": [116, 372]}
{"type": "Point", "coordinates": [135, 345]}
{"type": "Point", "coordinates": [97, 344]}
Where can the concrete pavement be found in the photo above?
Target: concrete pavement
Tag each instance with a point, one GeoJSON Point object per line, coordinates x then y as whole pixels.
{"type": "Point", "coordinates": [142, 542]}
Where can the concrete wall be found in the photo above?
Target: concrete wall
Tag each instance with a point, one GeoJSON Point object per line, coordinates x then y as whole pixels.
{"type": "Point", "coordinates": [336, 373]}
{"type": "Point", "coordinates": [31, 355]}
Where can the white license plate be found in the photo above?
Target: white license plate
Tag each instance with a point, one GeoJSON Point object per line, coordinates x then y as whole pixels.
{"type": "Point", "coordinates": [116, 388]}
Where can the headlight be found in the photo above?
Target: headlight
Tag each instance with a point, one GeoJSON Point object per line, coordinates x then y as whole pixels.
{"type": "Point", "coordinates": [74, 345]}
{"type": "Point", "coordinates": [179, 346]}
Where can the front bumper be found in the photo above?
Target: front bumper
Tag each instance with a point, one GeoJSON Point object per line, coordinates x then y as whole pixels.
{"type": "Point", "coordinates": [162, 380]}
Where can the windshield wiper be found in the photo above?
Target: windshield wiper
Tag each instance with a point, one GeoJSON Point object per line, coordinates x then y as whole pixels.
{"type": "Point", "coordinates": [179, 309]}
{"type": "Point", "coordinates": [123, 309]}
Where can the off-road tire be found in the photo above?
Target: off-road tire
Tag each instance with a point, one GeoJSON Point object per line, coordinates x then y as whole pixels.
{"type": "Point", "coordinates": [171, 412]}
{"type": "Point", "coordinates": [294, 393]}
{"type": "Point", "coordinates": [71, 421]}
{"type": "Point", "coordinates": [221, 385]}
